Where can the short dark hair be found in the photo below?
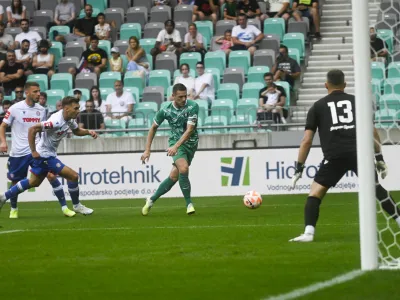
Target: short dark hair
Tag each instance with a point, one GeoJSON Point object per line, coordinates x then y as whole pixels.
{"type": "Point", "coordinates": [178, 87]}
{"type": "Point", "coordinates": [335, 77]}
{"type": "Point", "coordinates": [44, 95]}
{"type": "Point", "coordinates": [284, 47]}
{"type": "Point", "coordinates": [242, 15]}
{"type": "Point", "coordinates": [268, 74]}
{"type": "Point", "coordinates": [31, 84]}
{"type": "Point", "coordinates": [184, 65]}
{"type": "Point", "coordinates": [6, 102]}
{"type": "Point", "coordinates": [169, 22]}
{"type": "Point", "coordinates": [69, 100]}
{"type": "Point", "coordinates": [89, 100]}
{"type": "Point", "coordinates": [94, 38]}
{"type": "Point", "coordinates": [24, 20]}
{"type": "Point", "coordinates": [200, 63]}
{"type": "Point", "coordinates": [87, 4]}
{"type": "Point", "coordinates": [26, 41]}
{"type": "Point", "coordinates": [193, 25]}
{"type": "Point", "coordinates": [101, 15]}
{"type": "Point", "coordinates": [228, 31]}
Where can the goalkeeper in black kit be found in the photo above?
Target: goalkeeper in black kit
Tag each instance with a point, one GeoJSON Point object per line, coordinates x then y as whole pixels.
{"type": "Point", "coordinates": [334, 118]}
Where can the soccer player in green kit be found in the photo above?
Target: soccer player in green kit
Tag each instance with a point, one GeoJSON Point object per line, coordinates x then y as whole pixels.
{"type": "Point", "coordinates": [181, 115]}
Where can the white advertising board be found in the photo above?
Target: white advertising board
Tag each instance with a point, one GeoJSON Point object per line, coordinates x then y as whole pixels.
{"type": "Point", "coordinates": [213, 173]}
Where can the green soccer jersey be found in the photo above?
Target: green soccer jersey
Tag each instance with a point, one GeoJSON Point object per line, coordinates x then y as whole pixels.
{"type": "Point", "coordinates": [178, 120]}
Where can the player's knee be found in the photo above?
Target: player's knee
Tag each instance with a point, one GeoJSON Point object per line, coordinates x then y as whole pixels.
{"type": "Point", "coordinates": [184, 169]}
{"type": "Point", "coordinates": [74, 177]}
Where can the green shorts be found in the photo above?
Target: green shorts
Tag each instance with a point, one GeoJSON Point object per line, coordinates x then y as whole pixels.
{"type": "Point", "coordinates": [186, 153]}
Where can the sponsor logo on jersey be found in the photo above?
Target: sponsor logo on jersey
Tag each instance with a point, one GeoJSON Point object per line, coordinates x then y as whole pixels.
{"type": "Point", "coordinates": [31, 120]}
{"type": "Point", "coordinates": [48, 125]}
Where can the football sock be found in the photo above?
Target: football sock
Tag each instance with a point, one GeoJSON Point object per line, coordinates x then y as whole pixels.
{"type": "Point", "coordinates": [163, 188]}
{"type": "Point", "coordinates": [311, 213]}
{"type": "Point", "coordinates": [13, 201]}
{"type": "Point", "coordinates": [17, 189]}
{"type": "Point", "coordinates": [184, 183]}
{"type": "Point", "coordinates": [59, 192]}
{"type": "Point", "coordinates": [73, 189]}
{"type": "Point", "coordinates": [387, 203]}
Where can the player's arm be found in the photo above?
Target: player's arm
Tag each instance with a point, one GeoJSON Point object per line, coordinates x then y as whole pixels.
{"type": "Point", "coordinates": [35, 129]}
{"type": "Point", "coordinates": [381, 166]}
{"type": "Point", "coordinates": [3, 141]}
{"type": "Point", "coordinates": [82, 132]}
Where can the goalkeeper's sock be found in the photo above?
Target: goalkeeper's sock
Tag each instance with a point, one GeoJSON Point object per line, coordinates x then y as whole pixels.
{"type": "Point", "coordinates": [184, 183]}
{"type": "Point", "coordinates": [73, 189]}
{"type": "Point", "coordinates": [59, 192]}
{"type": "Point", "coordinates": [163, 188]}
{"type": "Point", "coordinates": [387, 203]}
{"type": "Point", "coordinates": [14, 201]}
{"type": "Point", "coordinates": [311, 214]}
{"type": "Point", "coordinates": [17, 189]}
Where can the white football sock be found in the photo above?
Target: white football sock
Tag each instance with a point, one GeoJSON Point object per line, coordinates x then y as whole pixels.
{"type": "Point", "coordinates": [309, 230]}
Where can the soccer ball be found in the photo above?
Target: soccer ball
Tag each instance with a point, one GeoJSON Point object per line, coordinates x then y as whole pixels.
{"type": "Point", "coordinates": [252, 199]}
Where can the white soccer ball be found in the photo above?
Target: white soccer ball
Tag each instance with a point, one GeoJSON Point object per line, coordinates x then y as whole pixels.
{"type": "Point", "coordinates": [252, 199]}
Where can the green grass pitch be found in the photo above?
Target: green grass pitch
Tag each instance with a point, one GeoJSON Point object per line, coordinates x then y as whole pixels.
{"type": "Point", "coordinates": [225, 251]}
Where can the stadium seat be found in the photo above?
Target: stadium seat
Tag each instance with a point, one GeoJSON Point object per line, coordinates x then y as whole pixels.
{"type": "Point", "coordinates": [104, 92]}
{"type": "Point", "coordinates": [240, 59]}
{"type": "Point", "coordinates": [85, 93]}
{"type": "Point", "coordinates": [95, 12]}
{"type": "Point", "coordinates": [166, 61]}
{"type": "Point", "coordinates": [391, 86]}
{"type": "Point", "coordinates": [298, 27]}
{"type": "Point", "coordinates": [203, 110]}
{"type": "Point", "coordinates": [134, 91]}
{"type": "Point", "coordinates": [376, 86]}
{"type": "Point", "coordinates": [212, 121]}
{"type": "Point", "coordinates": [264, 57]}
{"type": "Point", "coordinates": [390, 101]}
{"type": "Point", "coordinates": [224, 25]}
{"type": "Point", "coordinates": [146, 3]}
{"type": "Point", "coordinates": [151, 30]}
{"type": "Point", "coordinates": [48, 4]}
{"type": "Point", "coordinates": [205, 28]}
{"type": "Point", "coordinates": [255, 22]}
{"type": "Point", "coordinates": [215, 59]}
{"type": "Point", "coordinates": [229, 91]}
{"type": "Point", "coordinates": [75, 49]}
{"type": "Point", "coordinates": [256, 74]}
{"type": "Point", "coordinates": [133, 80]}
{"type": "Point", "coordinates": [57, 50]}
{"type": "Point", "coordinates": [41, 30]}
{"type": "Point", "coordinates": [297, 41]}
{"type": "Point", "coordinates": [67, 62]}
{"type": "Point", "coordinates": [42, 17]}
{"type": "Point", "coordinates": [137, 15]}
{"type": "Point", "coordinates": [97, 4]}
{"type": "Point", "coordinates": [41, 79]}
{"type": "Point", "coordinates": [183, 13]}
{"type": "Point", "coordinates": [394, 70]}
{"type": "Point", "coordinates": [153, 94]}
{"type": "Point", "coordinates": [115, 124]}
{"type": "Point", "coordinates": [183, 28]}
{"type": "Point", "coordinates": [122, 45]}
{"type": "Point", "coordinates": [270, 41]}
{"type": "Point", "coordinates": [107, 79]}
{"type": "Point", "coordinates": [124, 4]}
{"type": "Point", "coordinates": [247, 107]}
{"type": "Point", "coordinates": [286, 87]}
{"type": "Point", "coordinates": [294, 54]}
{"type": "Point", "coordinates": [191, 59]}
{"type": "Point", "coordinates": [130, 29]}
{"type": "Point", "coordinates": [53, 96]}
{"type": "Point", "coordinates": [241, 120]}
{"type": "Point", "coordinates": [216, 76]}
{"type": "Point", "coordinates": [252, 89]}
{"type": "Point", "coordinates": [85, 80]}
{"type": "Point", "coordinates": [61, 81]}
{"type": "Point", "coordinates": [62, 30]}
{"type": "Point", "coordinates": [378, 70]}
{"type": "Point", "coordinates": [385, 118]}
{"type": "Point", "coordinates": [234, 75]}
{"type": "Point", "coordinates": [13, 31]}
{"type": "Point", "coordinates": [115, 14]}
{"type": "Point", "coordinates": [387, 36]}
{"type": "Point", "coordinates": [160, 13]}
{"type": "Point", "coordinates": [146, 110]}
{"type": "Point", "coordinates": [106, 46]}
{"type": "Point", "coordinates": [223, 107]}
{"type": "Point", "coordinates": [160, 78]}
{"type": "Point", "coordinates": [275, 26]}
{"type": "Point", "coordinates": [147, 44]}
{"type": "Point", "coordinates": [138, 123]}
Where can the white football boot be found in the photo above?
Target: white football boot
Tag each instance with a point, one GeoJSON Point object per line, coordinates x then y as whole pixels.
{"type": "Point", "coordinates": [82, 209]}
{"type": "Point", "coordinates": [304, 238]}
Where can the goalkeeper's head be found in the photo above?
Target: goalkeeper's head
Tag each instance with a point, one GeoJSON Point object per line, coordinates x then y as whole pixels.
{"type": "Point", "coordinates": [335, 81]}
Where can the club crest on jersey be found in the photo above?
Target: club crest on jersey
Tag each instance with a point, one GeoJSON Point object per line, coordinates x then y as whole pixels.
{"type": "Point", "coordinates": [48, 125]}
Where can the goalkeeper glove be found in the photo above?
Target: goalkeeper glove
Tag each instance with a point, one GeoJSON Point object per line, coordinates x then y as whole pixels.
{"type": "Point", "coordinates": [297, 174]}
{"type": "Point", "coordinates": [381, 166]}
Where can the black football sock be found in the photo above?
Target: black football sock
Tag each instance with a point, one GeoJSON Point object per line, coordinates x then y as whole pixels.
{"type": "Point", "coordinates": [311, 213]}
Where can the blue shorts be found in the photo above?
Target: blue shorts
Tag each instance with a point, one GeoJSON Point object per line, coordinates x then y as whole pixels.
{"type": "Point", "coordinates": [42, 166]}
{"type": "Point", "coordinates": [18, 167]}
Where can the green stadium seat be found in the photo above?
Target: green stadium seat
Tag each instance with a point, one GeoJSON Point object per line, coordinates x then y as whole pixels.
{"type": "Point", "coordinates": [378, 70]}
{"type": "Point", "coordinates": [223, 107]}
{"type": "Point", "coordinates": [229, 91]}
{"type": "Point", "coordinates": [215, 59]}
{"type": "Point", "coordinates": [134, 91]}
{"type": "Point", "coordinates": [248, 108]}
{"type": "Point", "coordinates": [252, 89]}
{"type": "Point", "coordinates": [62, 30]}
{"type": "Point", "coordinates": [160, 78]}
{"type": "Point", "coordinates": [191, 58]}
{"type": "Point", "coordinates": [107, 79]}
{"type": "Point", "coordinates": [212, 121]}
{"type": "Point", "coordinates": [61, 81]}
{"type": "Point", "coordinates": [387, 36]}
{"type": "Point", "coordinates": [240, 59]}
{"type": "Point", "coordinates": [57, 50]}
{"type": "Point", "coordinates": [294, 54]}
{"type": "Point", "coordinates": [115, 124]}
{"type": "Point", "coordinates": [130, 29]}
{"type": "Point", "coordinates": [256, 74]}
{"type": "Point", "coordinates": [10, 97]}
{"type": "Point", "coordinates": [96, 11]}
{"type": "Point", "coordinates": [106, 46]}
{"type": "Point", "coordinates": [391, 86]}
{"type": "Point", "coordinates": [241, 120]}
{"type": "Point", "coordinates": [124, 61]}
{"type": "Point", "coordinates": [205, 28]}
{"type": "Point", "coordinates": [54, 95]}
{"type": "Point", "coordinates": [394, 69]}
{"type": "Point", "coordinates": [42, 79]}
{"type": "Point", "coordinates": [203, 110]}
{"type": "Point", "coordinates": [104, 92]}
{"type": "Point", "coordinates": [385, 118]}
{"type": "Point", "coordinates": [138, 123]}
{"type": "Point", "coordinates": [390, 101]}
{"type": "Point", "coordinates": [146, 110]}
{"type": "Point", "coordinates": [85, 93]}
{"type": "Point", "coordinates": [132, 79]}
{"type": "Point", "coordinates": [275, 26]}
{"type": "Point", "coordinates": [376, 86]}
{"type": "Point", "coordinates": [286, 87]}
{"type": "Point", "coordinates": [192, 73]}
{"type": "Point", "coordinates": [147, 44]}
{"type": "Point", "coordinates": [216, 76]}
{"type": "Point", "coordinates": [150, 61]}
{"type": "Point", "coordinates": [295, 40]}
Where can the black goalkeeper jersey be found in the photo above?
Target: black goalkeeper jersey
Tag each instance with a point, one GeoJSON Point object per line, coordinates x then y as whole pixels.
{"type": "Point", "coordinates": [334, 118]}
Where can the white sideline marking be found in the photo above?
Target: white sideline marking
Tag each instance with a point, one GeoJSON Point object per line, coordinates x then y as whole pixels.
{"type": "Point", "coordinates": [318, 286]}
{"type": "Point", "coordinates": [10, 231]}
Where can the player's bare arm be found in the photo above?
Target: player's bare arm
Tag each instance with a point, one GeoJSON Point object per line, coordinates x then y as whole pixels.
{"type": "Point", "coordinates": [3, 142]}
{"type": "Point", "coordinates": [171, 151]}
{"type": "Point", "coordinates": [152, 132]}
{"type": "Point", "coordinates": [35, 129]}
{"type": "Point", "coordinates": [83, 132]}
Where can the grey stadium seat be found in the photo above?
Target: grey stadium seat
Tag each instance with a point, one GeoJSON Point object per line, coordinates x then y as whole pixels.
{"type": "Point", "coordinates": [124, 4]}
{"type": "Point", "coordinates": [42, 17]}
{"type": "Point", "coordinates": [67, 62]}
{"type": "Point", "coordinates": [183, 13]}
{"type": "Point", "coordinates": [115, 14]}
{"type": "Point", "coordinates": [166, 61]}
{"type": "Point", "coordinates": [137, 15]}
{"type": "Point", "coordinates": [122, 46]}
{"type": "Point", "coordinates": [264, 57]}
{"type": "Point", "coordinates": [153, 94]}
{"type": "Point", "coordinates": [75, 49]}
{"type": "Point", "coordinates": [151, 30]}
{"type": "Point", "coordinates": [270, 41]}
{"type": "Point", "coordinates": [41, 30]}
{"type": "Point", "coordinates": [13, 31]}
{"type": "Point", "coordinates": [214, 46]}
{"type": "Point", "coordinates": [234, 75]}
{"type": "Point", "coordinates": [183, 28]}
{"type": "Point", "coordinates": [85, 80]}
{"type": "Point", "coordinates": [254, 22]}
{"type": "Point", "coordinates": [298, 27]}
{"type": "Point", "coordinates": [48, 4]}
{"type": "Point", "coordinates": [146, 3]}
{"type": "Point", "coordinates": [160, 13]}
{"type": "Point", "coordinates": [223, 25]}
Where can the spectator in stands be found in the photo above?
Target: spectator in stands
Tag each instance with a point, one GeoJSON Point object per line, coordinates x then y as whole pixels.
{"type": "Point", "coordinates": [11, 73]}
{"type": "Point", "coordinates": [6, 104]}
{"type": "Point", "coordinates": [245, 36]}
{"type": "Point", "coordinates": [43, 102]}
{"type": "Point", "coordinates": [43, 62]}
{"type": "Point", "coordinates": [378, 47]}
{"type": "Point", "coordinates": [161, 2]}
{"type": "Point", "coordinates": [84, 28]}
{"type": "Point", "coordinates": [99, 104]}
{"type": "Point", "coordinates": [204, 88]}
{"type": "Point", "coordinates": [230, 10]}
{"type": "Point", "coordinates": [6, 42]}
{"type": "Point", "coordinates": [168, 40]}
{"type": "Point", "coordinates": [19, 95]}
{"type": "Point", "coordinates": [102, 29]}
{"type": "Point", "coordinates": [286, 68]}
{"type": "Point", "coordinates": [194, 41]}
{"type": "Point", "coordinates": [272, 98]}
{"type": "Point", "coordinates": [115, 60]}
{"type": "Point", "coordinates": [91, 118]}
{"type": "Point", "coordinates": [58, 108]}
{"type": "Point", "coordinates": [186, 80]}
{"type": "Point", "coordinates": [205, 10]}
{"type": "Point", "coordinates": [15, 13]}
{"type": "Point", "coordinates": [307, 8]}
{"type": "Point", "coordinates": [186, 2]}
{"type": "Point", "coordinates": [279, 9]}
{"type": "Point", "coordinates": [32, 36]}
{"type": "Point", "coordinates": [64, 15]}
{"type": "Point", "coordinates": [226, 42]}
{"type": "Point", "coordinates": [137, 57]}
{"type": "Point", "coordinates": [1, 102]}
{"type": "Point", "coordinates": [120, 104]}
{"type": "Point", "coordinates": [24, 57]}
{"type": "Point", "coordinates": [251, 9]}
{"type": "Point", "coordinates": [94, 59]}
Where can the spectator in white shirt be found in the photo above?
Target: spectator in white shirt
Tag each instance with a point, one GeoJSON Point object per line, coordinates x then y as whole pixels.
{"type": "Point", "coordinates": [102, 29]}
{"type": "Point", "coordinates": [204, 85]}
{"type": "Point", "coordinates": [32, 36]}
{"type": "Point", "coordinates": [24, 57]}
{"type": "Point", "coordinates": [119, 104]}
{"type": "Point", "coordinates": [186, 80]}
{"type": "Point", "coordinates": [245, 36]}
{"type": "Point", "coordinates": [43, 61]}
{"type": "Point", "coordinates": [194, 41]}
{"type": "Point", "coordinates": [64, 15]}
{"type": "Point", "coordinates": [15, 13]}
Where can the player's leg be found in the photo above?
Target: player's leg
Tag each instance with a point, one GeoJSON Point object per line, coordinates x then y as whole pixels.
{"type": "Point", "coordinates": [162, 189]}
{"type": "Point", "coordinates": [59, 193]}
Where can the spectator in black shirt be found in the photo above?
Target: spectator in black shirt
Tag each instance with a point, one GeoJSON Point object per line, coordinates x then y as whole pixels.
{"type": "Point", "coordinates": [205, 10]}
{"type": "Point", "coordinates": [5, 105]}
{"type": "Point", "coordinates": [11, 73]}
{"type": "Point", "coordinates": [286, 68]}
{"type": "Point", "coordinates": [91, 118]}
{"type": "Point", "coordinates": [251, 9]}
{"type": "Point", "coordinates": [378, 47]}
{"type": "Point", "coordinates": [19, 95]}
